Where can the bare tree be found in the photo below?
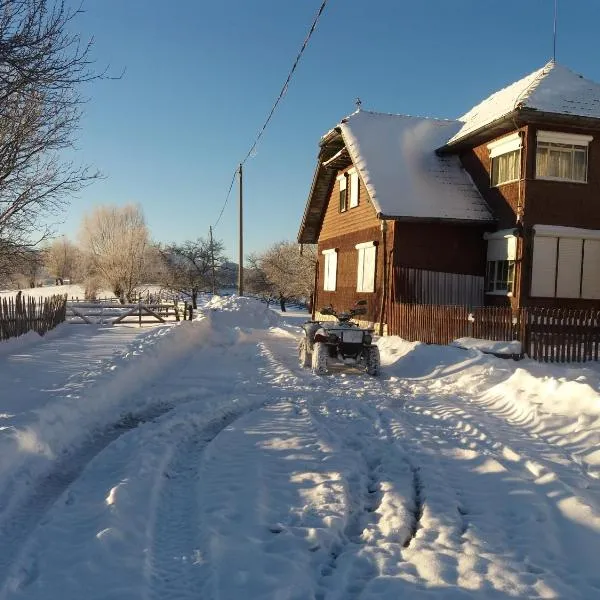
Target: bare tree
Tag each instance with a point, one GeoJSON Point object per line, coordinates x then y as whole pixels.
{"type": "Point", "coordinates": [193, 266]}
{"type": "Point", "coordinates": [42, 64]}
{"type": "Point", "coordinates": [115, 240]}
{"type": "Point", "coordinates": [289, 270]}
{"type": "Point", "coordinates": [256, 280]}
{"type": "Point", "coordinates": [61, 259]}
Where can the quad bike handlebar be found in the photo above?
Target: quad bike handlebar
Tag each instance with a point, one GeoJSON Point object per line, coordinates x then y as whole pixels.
{"type": "Point", "coordinates": [359, 309]}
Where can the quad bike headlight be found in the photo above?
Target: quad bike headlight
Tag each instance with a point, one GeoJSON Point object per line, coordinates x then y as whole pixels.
{"type": "Point", "coordinates": [367, 338]}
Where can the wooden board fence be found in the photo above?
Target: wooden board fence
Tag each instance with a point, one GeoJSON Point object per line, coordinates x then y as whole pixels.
{"type": "Point", "coordinates": [20, 315]}
{"type": "Point", "coordinates": [548, 335]}
{"type": "Point", "coordinates": [432, 324]}
{"type": "Point", "coordinates": [562, 335]}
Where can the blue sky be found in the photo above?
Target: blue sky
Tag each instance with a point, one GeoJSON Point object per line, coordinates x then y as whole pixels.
{"type": "Point", "coordinates": [201, 77]}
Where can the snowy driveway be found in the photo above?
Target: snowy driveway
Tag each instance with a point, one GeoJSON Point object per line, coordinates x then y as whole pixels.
{"type": "Point", "coordinates": [202, 462]}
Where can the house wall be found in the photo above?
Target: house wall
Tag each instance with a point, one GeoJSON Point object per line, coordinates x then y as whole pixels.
{"type": "Point", "coordinates": [563, 203]}
{"type": "Point", "coordinates": [504, 200]}
{"type": "Point", "coordinates": [345, 295]}
{"type": "Point", "coordinates": [539, 202]}
{"type": "Point", "coordinates": [354, 219]}
{"type": "Point", "coordinates": [447, 247]}
{"type": "Point", "coordinates": [343, 231]}
{"type": "Point", "coordinates": [559, 203]}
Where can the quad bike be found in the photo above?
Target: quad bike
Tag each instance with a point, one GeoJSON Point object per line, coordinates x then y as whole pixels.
{"type": "Point", "coordinates": [340, 341]}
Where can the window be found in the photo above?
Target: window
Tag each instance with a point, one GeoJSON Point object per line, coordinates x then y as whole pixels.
{"type": "Point", "coordinates": [354, 187]}
{"type": "Point", "coordinates": [562, 156]}
{"type": "Point", "coordinates": [365, 281]}
{"type": "Point", "coordinates": [343, 183]}
{"type": "Point", "coordinates": [500, 276]}
{"type": "Point", "coordinates": [501, 255]}
{"type": "Point", "coordinates": [505, 155]}
{"type": "Point", "coordinates": [330, 272]}
{"type": "Point", "coordinates": [566, 263]}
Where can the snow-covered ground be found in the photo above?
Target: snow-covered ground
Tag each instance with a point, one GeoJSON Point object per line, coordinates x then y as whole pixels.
{"type": "Point", "coordinates": [198, 460]}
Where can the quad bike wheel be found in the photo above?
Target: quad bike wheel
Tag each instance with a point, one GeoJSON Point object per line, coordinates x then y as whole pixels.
{"type": "Point", "coordinates": [303, 354]}
{"type": "Point", "coordinates": [319, 359]}
{"type": "Point", "coordinates": [372, 361]}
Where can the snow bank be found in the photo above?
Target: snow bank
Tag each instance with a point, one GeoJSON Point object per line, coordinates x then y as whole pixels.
{"type": "Point", "coordinates": [240, 311]}
{"type": "Point", "coordinates": [488, 346]}
{"type": "Point", "coordinates": [558, 402]}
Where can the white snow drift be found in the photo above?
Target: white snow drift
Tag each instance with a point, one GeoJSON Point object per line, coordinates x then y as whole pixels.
{"type": "Point", "coordinates": [199, 460]}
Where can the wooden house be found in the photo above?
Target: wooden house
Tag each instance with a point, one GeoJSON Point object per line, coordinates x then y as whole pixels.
{"type": "Point", "coordinates": [499, 207]}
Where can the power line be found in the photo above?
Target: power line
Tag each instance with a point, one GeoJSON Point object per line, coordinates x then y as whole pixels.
{"type": "Point", "coordinates": [287, 81]}
{"type": "Point", "coordinates": [226, 198]}
{"type": "Point", "coordinates": [276, 103]}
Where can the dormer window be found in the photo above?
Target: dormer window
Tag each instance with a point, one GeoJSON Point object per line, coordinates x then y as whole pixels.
{"type": "Point", "coordinates": [562, 156]}
{"type": "Point", "coordinates": [505, 155]}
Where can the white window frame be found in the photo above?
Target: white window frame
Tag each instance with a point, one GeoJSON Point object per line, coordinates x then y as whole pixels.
{"type": "Point", "coordinates": [354, 188]}
{"type": "Point", "coordinates": [507, 145]}
{"type": "Point", "coordinates": [329, 269]}
{"type": "Point", "coordinates": [365, 276]}
{"type": "Point", "coordinates": [501, 256]}
{"type": "Point", "coordinates": [546, 139]}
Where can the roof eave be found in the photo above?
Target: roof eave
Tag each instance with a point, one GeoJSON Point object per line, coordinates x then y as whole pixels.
{"type": "Point", "coordinates": [474, 138]}
{"type": "Point", "coordinates": [490, 221]}
{"type": "Point", "coordinates": [519, 117]}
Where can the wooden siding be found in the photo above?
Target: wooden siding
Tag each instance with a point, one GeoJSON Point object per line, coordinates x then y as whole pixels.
{"type": "Point", "coordinates": [352, 220]}
{"type": "Point", "coordinates": [504, 199]}
{"type": "Point", "coordinates": [446, 247]}
{"type": "Point", "coordinates": [563, 203]}
{"type": "Point", "coordinates": [434, 287]}
{"type": "Point", "coordinates": [345, 294]}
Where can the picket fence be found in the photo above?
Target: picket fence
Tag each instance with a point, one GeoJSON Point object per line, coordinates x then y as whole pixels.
{"type": "Point", "coordinates": [20, 315]}
{"type": "Point", "coordinates": [546, 334]}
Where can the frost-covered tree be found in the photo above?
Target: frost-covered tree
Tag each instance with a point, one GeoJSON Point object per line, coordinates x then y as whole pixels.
{"type": "Point", "coordinates": [194, 266]}
{"type": "Point", "coordinates": [288, 270]}
{"type": "Point", "coordinates": [61, 259]}
{"type": "Point", "coordinates": [115, 241]}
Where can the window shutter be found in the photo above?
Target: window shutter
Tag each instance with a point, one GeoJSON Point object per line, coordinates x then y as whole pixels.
{"type": "Point", "coordinates": [360, 277]}
{"type": "Point", "coordinates": [354, 188]}
{"type": "Point", "coordinates": [504, 248]}
{"type": "Point", "coordinates": [569, 268]}
{"type": "Point", "coordinates": [369, 270]}
{"type": "Point", "coordinates": [543, 269]}
{"type": "Point", "coordinates": [330, 274]}
{"type": "Point", "coordinates": [365, 279]}
{"type": "Point", "coordinates": [591, 270]}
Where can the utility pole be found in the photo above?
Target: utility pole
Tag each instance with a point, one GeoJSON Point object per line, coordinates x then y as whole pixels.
{"type": "Point", "coordinates": [241, 240]}
{"type": "Point", "coordinates": [212, 261]}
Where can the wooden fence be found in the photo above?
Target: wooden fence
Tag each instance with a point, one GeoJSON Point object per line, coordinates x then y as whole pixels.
{"type": "Point", "coordinates": [20, 315]}
{"type": "Point", "coordinates": [549, 335]}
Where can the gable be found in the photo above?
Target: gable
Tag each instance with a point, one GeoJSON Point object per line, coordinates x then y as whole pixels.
{"type": "Point", "coordinates": [403, 176]}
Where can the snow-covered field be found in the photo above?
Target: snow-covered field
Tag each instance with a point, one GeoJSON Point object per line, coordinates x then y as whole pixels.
{"type": "Point", "coordinates": [198, 460]}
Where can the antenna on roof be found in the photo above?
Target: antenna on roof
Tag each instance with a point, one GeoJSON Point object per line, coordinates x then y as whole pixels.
{"type": "Point", "coordinates": [358, 102]}
{"type": "Point", "coordinates": [554, 33]}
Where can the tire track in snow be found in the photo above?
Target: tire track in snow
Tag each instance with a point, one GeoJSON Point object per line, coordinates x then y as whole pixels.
{"type": "Point", "coordinates": [349, 569]}
{"type": "Point", "coordinates": [174, 564]}
{"type": "Point", "coordinates": [18, 523]}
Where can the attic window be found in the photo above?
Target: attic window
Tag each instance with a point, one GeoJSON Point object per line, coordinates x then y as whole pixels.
{"type": "Point", "coordinates": [354, 187]}
{"type": "Point", "coordinates": [562, 156]}
{"type": "Point", "coordinates": [343, 183]}
{"type": "Point", "coordinates": [505, 155]}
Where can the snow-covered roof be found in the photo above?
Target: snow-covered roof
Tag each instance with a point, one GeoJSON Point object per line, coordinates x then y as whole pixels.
{"type": "Point", "coordinates": [552, 89]}
{"type": "Point", "coordinates": [395, 156]}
